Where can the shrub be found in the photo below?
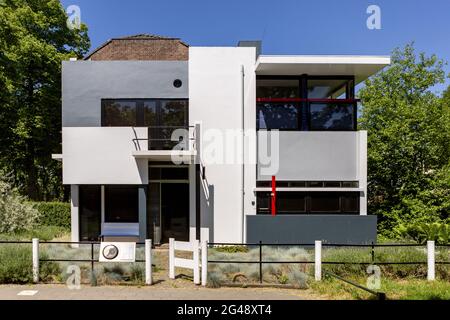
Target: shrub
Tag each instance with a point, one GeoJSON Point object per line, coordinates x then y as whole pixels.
{"type": "Point", "coordinates": [16, 214]}
{"type": "Point", "coordinates": [16, 265]}
{"type": "Point", "coordinates": [53, 213]}
{"type": "Point", "coordinates": [422, 231]}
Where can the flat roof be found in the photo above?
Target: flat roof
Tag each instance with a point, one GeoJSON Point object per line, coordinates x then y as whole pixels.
{"type": "Point", "coordinates": [361, 67]}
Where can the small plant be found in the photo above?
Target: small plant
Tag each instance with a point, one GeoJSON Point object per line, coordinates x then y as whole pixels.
{"type": "Point", "coordinates": [136, 273]}
{"type": "Point", "coordinates": [214, 280]}
{"type": "Point", "coordinates": [299, 279]}
{"type": "Point", "coordinates": [232, 249]}
{"type": "Point", "coordinates": [283, 279]}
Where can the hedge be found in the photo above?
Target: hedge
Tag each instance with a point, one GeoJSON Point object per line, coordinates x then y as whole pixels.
{"type": "Point", "coordinates": [54, 213]}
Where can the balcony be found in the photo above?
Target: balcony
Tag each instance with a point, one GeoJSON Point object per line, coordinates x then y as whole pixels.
{"type": "Point", "coordinates": [165, 143]}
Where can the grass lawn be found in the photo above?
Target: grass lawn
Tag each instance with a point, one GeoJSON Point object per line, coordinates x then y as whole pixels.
{"type": "Point", "coordinates": [395, 289]}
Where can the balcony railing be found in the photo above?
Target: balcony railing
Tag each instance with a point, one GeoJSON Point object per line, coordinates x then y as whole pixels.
{"type": "Point", "coordinates": [167, 138]}
{"type": "Point", "coordinates": [307, 114]}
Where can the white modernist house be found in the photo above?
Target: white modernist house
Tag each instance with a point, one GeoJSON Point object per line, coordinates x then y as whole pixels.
{"type": "Point", "coordinates": [161, 140]}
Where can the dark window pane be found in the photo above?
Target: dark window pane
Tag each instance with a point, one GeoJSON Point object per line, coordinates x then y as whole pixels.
{"type": "Point", "coordinates": [290, 202]}
{"type": "Point", "coordinates": [327, 88]}
{"type": "Point", "coordinates": [315, 184]}
{"type": "Point", "coordinates": [121, 204]}
{"type": "Point", "coordinates": [150, 115]}
{"type": "Point", "coordinates": [325, 202]}
{"type": "Point", "coordinates": [263, 203]}
{"type": "Point", "coordinates": [119, 113]}
{"type": "Point", "coordinates": [350, 184]}
{"type": "Point", "coordinates": [154, 173]}
{"type": "Point", "coordinates": [175, 173]}
{"type": "Point", "coordinates": [332, 184]}
{"type": "Point", "coordinates": [350, 202]}
{"type": "Point", "coordinates": [90, 212]}
{"type": "Point", "coordinates": [269, 88]}
{"type": "Point", "coordinates": [332, 116]}
{"type": "Point", "coordinates": [277, 116]}
{"type": "Point", "coordinates": [174, 113]}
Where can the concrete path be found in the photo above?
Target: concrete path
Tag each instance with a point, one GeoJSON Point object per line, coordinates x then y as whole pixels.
{"type": "Point", "coordinates": [61, 292]}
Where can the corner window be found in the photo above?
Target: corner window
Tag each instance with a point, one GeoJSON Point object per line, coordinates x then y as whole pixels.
{"type": "Point", "coordinates": [332, 116]}
{"type": "Point", "coordinates": [121, 204]}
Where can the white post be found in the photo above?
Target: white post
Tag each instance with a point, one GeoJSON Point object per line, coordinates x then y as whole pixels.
{"type": "Point", "coordinates": [172, 258]}
{"type": "Point", "coordinates": [196, 256]}
{"type": "Point", "coordinates": [204, 262]}
{"type": "Point", "coordinates": [35, 253]}
{"type": "Point", "coordinates": [148, 262]}
{"type": "Point", "coordinates": [430, 260]}
{"type": "Point", "coordinates": [318, 260]}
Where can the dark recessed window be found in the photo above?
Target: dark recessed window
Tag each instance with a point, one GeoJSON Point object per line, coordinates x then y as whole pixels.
{"type": "Point", "coordinates": [121, 204]}
{"type": "Point", "coordinates": [177, 83]}
{"type": "Point", "coordinates": [325, 202]}
{"type": "Point", "coordinates": [292, 202]}
{"type": "Point", "coordinates": [119, 113]}
{"type": "Point", "coordinates": [90, 212]}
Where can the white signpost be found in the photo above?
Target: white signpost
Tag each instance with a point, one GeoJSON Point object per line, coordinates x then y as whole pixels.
{"type": "Point", "coordinates": [193, 264]}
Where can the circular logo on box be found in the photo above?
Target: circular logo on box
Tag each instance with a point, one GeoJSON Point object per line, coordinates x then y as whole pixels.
{"type": "Point", "coordinates": [110, 252]}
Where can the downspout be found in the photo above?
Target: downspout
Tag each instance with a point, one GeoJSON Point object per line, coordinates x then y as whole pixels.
{"type": "Point", "coordinates": [243, 155]}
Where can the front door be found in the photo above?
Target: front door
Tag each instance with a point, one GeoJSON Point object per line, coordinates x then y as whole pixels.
{"type": "Point", "coordinates": [175, 211]}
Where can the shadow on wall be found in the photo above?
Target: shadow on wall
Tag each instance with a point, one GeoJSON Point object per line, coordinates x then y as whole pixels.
{"type": "Point", "coordinates": [207, 208]}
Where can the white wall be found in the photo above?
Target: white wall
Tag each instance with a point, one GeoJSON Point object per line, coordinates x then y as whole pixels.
{"type": "Point", "coordinates": [102, 155]}
{"type": "Point", "coordinates": [215, 93]}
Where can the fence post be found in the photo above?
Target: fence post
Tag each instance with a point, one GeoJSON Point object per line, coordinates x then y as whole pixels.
{"type": "Point", "coordinates": [93, 276]}
{"type": "Point", "coordinates": [196, 257]}
{"type": "Point", "coordinates": [318, 260]}
{"type": "Point", "coordinates": [171, 258]}
{"type": "Point", "coordinates": [204, 263]}
{"type": "Point", "coordinates": [430, 260]}
{"type": "Point", "coordinates": [35, 259]}
{"type": "Point", "coordinates": [260, 262]}
{"type": "Point", "coordinates": [148, 262]}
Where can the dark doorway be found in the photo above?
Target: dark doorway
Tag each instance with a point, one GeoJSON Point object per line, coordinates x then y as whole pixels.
{"type": "Point", "coordinates": [175, 211]}
{"type": "Point", "coordinates": [89, 212]}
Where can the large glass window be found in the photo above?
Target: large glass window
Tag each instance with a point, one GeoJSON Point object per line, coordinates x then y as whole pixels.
{"type": "Point", "coordinates": [306, 103]}
{"type": "Point", "coordinates": [121, 204]}
{"type": "Point", "coordinates": [119, 113]}
{"type": "Point", "coordinates": [332, 116]}
{"type": "Point", "coordinates": [89, 212]}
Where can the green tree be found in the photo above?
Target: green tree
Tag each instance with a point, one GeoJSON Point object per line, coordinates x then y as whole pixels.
{"type": "Point", "coordinates": [34, 39]}
{"type": "Point", "coordinates": [408, 136]}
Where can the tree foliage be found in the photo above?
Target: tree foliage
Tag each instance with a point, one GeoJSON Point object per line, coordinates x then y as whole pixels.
{"type": "Point", "coordinates": [34, 39]}
{"type": "Point", "coordinates": [408, 140]}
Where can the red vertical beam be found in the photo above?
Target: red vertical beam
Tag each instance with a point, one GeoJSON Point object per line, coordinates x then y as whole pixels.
{"type": "Point", "coordinates": [273, 196]}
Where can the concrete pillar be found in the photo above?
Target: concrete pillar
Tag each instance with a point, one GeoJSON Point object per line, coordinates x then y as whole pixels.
{"type": "Point", "coordinates": [362, 172]}
{"type": "Point", "coordinates": [142, 213]}
{"type": "Point", "coordinates": [74, 212]}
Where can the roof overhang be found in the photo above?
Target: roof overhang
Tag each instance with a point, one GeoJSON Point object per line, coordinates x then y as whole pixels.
{"type": "Point", "coordinates": [361, 67]}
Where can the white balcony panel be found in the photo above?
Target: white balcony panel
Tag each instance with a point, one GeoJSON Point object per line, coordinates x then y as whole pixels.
{"type": "Point", "coordinates": [103, 155]}
{"type": "Point", "coordinates": [315, 156]}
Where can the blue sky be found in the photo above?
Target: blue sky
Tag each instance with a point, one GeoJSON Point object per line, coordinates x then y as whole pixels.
{"type": "Point", "coordinates": [284, 26]}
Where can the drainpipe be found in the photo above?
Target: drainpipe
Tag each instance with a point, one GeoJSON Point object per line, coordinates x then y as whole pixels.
{"type": "Point", "coordinates": [243, 155]}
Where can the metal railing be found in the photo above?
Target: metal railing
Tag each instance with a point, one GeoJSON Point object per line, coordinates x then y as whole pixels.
{"type": "Point", "coordinates": [160, 138]}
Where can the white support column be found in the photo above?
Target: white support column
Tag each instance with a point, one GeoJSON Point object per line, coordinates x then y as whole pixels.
{"type": "Point", "coordinates": [196, 257]}
{"type": "Point", "coordinates": [431, 260]}
{"type": "Point", "coordinates": [74, 213]}
{"type": "Point", "coordinates": [362, 172]}
{"type": "Point", "coordinates": [318, 260]}
{"type": "Point", "coordinates": [171, 258]}
{"type": "Point", "coordinates": [148, 262]}
{"type": "Point", "coordinates": [204, 263]}
{"type": "Point", "coordinates": [192, 204]}
{"type": "Point", "coordinates": [35, 258]}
